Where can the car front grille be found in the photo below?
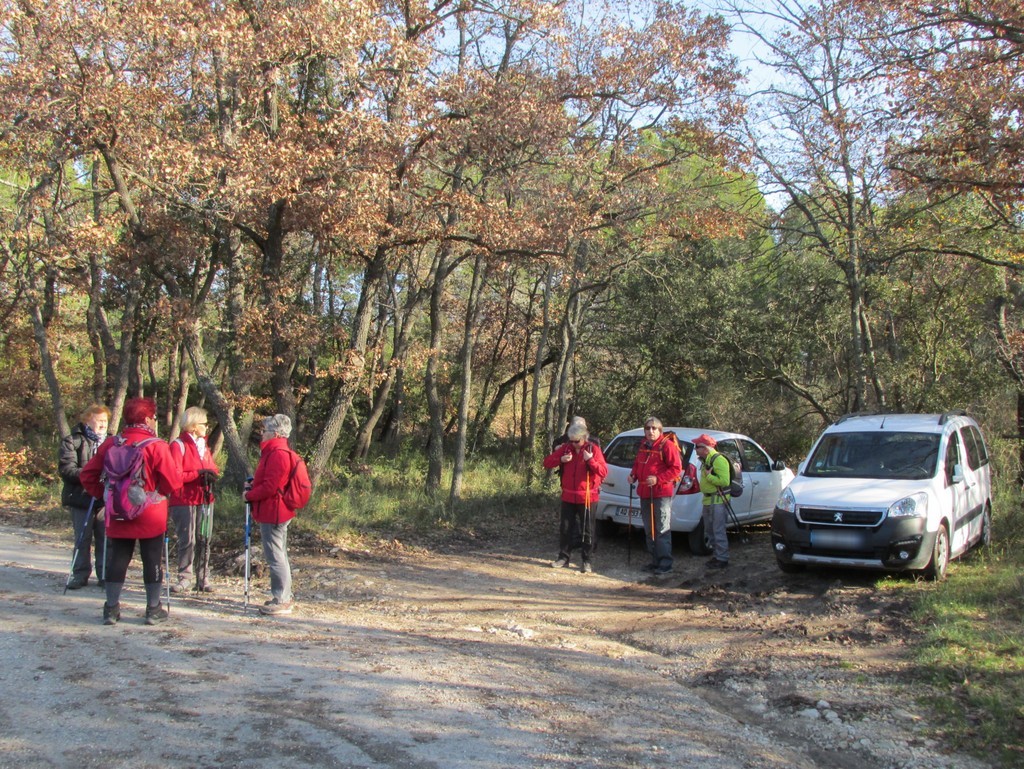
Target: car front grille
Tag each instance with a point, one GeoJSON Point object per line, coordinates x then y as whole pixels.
{"type": "Point", "coordinates": [840, 517]}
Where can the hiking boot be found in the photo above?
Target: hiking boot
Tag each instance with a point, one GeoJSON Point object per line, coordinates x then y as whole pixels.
{"type": "Point", "coordinates": [205, 587]}
{"type": "Point", "coordinates": [649, 567]}
{"type": "Point", "coordinates": [183, 585]}
{"type": "Point", "coordinates": [156, 614]}
{"type": "Point", "coordinates": [560, 563]}
{"type": "Point", "coordinates": [111, 614]}
{"type": "Point", "coordinates": [714, 563]}
{"type": "Point", "coordinates": [663, 569]}
{"type": "Point", "coordinates": [277, 608]}
{"type": "Point", "coordinates": [77, 583]}
{"type": "Point", "coordinates": [586, 568]}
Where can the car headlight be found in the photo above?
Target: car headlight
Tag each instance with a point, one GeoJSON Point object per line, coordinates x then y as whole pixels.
{"type": "Point", "coordinates": [914, 506]}
{"type": "Point", "coordinates": [787, 502]}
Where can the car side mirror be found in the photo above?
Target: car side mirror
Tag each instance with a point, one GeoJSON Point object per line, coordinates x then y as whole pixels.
{"type": "Point", "coordinates": [779, 465]}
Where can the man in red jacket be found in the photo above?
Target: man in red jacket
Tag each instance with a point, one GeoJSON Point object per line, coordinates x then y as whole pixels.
{"type": "Point", "coordinates": [656, 470]}
{"type": "Point", "coordinates": [162, 478]}
{"type": "Point", "coordinates": [583, 468]}
{"type": "Point", "coordinates": [264, 493]}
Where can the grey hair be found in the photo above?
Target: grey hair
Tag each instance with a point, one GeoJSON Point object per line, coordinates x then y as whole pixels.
{"type": "Point", "coordinates": [192, 415]}
{"type": "Point", "coordinates": [279, 424]}
{"type": "Point", "coordinates": [653, 422]}
{"type": "Point", "coordinates": [577, 431]}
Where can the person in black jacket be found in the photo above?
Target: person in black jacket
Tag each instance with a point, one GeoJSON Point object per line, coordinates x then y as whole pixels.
{"type": "Point", "coordinates": [75, 450]}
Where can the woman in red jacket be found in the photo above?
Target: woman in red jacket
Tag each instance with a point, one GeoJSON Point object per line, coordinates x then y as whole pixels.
{"type": "Point", "coordinates": [583, 469]}
{"type": "Point", "coordinates": [264, 492]}
{"type": "Point", "coordinates": [198, 472]}
{"type": "Point", "coordinates": [162, 478]}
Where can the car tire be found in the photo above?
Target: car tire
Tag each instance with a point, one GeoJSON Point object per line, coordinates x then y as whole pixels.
{"type": "Point", "coordinates": [698, 540]}
{"type": "Point", "coordinates": [939, 564]}
{"type": "Point", "coordinates": [787, 567]}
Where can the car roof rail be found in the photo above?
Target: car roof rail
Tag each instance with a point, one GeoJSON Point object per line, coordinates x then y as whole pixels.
{"type": "Point", "coordinates": [945, 417]}
{"type": "Point", "coordinates": [856, 414]}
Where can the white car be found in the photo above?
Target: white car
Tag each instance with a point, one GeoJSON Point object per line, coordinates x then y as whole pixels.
{"type": "Point", "coordinates": [763, 481]}
{"type": "Point", "coordinates": [900, 492]}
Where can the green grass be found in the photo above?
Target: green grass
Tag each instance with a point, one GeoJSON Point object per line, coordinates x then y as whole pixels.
{"type": "Point", "coordinates": [972, 648]}
{"type": "Point", "coordinates": [392, 502]}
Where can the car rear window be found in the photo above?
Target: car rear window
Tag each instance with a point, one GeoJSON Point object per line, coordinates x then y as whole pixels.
{"type": "Point", "coordinates": [875, 454]}
{"type": "Point", "coordinates": [621, 452]}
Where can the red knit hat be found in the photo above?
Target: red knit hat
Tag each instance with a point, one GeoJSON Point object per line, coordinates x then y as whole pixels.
{"type": "Point", "coordinates": [705, 440]}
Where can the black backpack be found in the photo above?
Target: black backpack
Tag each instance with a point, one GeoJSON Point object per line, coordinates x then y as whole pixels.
{"type": "Point", "coordinates": [735, 488]}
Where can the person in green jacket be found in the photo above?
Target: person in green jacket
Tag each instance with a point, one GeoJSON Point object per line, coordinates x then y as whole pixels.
{"type": "Point", "coordinates": [714, 477]}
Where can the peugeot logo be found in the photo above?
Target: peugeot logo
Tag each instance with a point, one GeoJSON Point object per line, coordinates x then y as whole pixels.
{"type": "Point", "coordinates": [837, 518]}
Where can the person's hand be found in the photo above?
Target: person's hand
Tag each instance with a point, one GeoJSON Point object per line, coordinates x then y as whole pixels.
{"type": "Point", "coordinates": [588, 455]}
{"type": "Point", "coordinates": [567, 457]}
{"type": "Point", "coordinates": [652, 480]}
{"type": "Point", "coordinates": [207, 476]}
{"type": "Point", "coordinates": [632, 479]}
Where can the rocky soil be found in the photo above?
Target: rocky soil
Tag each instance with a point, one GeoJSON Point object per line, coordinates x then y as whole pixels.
{"type": "Point", "coordinates": [467, 653]}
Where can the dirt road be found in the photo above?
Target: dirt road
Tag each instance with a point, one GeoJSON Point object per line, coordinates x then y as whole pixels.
{"type": "Point", "coordinates": [477, 655]}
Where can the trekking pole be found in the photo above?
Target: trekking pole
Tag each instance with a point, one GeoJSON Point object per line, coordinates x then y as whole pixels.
{"type": "Point", "coordinates": [167, 569]}
{"type": "Point", "coordinates": [78, 545]}
{"type": "Point", "coordinates": [732, 514]}
{"type": "Point", "coordinates": [248, 529]}
{"type": "Point", "coordinates": [205, 533]}
{"type": "Point", "coordinates": [104, 549]}
{"type": "Point", "coordinates": [586, 519]}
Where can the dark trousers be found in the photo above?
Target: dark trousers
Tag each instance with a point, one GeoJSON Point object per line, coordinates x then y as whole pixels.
{"type": "Point", "coordinates": [576, 529]}
{"type": "Point", "coordinates": [120, 553]}
{"type": "Point", "coordinates": [91, 540]}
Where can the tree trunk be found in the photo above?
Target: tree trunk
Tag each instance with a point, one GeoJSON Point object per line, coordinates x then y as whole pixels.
{"type": "Point", "coordinates": [542, 345]}
{"type": "Point", "coordinates": [466, 362]}
{"type": "Point", "coordinates": [355, 365]}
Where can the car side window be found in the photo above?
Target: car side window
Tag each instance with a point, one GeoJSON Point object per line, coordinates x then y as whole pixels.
{"type": "Point", "coordinates": [983, 457]}
{"type": "Point", "coordinates": [952, 457]}
{"type": "Point", "coordinates": [753, 458]}
{"type": "Point", "coordinates": [729, 448]}
{"type": "Point", "coordinates": [977, 454]}
{"type": "Point", "coordinates": [622, 453]}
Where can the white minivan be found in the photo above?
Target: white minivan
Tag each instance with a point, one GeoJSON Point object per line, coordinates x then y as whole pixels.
{"type": "Point", "coordinates": [899, 492]}
{"type": "Point", "coordinates": [763, 481]}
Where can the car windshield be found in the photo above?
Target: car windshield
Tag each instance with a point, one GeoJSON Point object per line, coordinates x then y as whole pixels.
{"type": "Point", "coordinates": [905, 456]}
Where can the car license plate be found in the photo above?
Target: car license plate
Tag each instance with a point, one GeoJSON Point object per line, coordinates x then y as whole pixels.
{"type": "Point", "coordinates": [625, 513]}
{"type": "Point", "coordinates": [838, 540]}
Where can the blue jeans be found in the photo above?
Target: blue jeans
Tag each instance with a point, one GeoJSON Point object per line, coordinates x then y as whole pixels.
{"type": "Point", "coordinates": [659, 540]}
{"type": "Point", "coordinates": [275, 551]}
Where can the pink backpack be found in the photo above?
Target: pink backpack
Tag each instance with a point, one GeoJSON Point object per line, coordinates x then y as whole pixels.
{"type": "Point", "coordinates": [124, 477]}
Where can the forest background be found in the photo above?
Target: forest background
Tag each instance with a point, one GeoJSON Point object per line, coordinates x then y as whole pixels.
{"type": "Point", "coordinates": [431, 232]}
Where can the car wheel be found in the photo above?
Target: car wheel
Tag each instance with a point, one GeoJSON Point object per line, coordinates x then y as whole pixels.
{"type": "Point", "coordinates": [939, 565]}
{"type": "Point", "coordinates": [788, 567]}
{"type": "Point", "coordinates": [698, 540]}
